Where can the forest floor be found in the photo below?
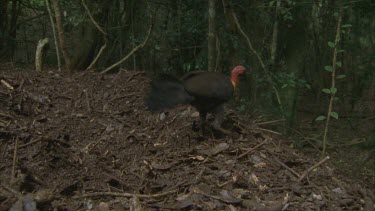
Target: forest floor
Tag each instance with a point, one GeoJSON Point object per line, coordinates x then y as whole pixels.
{"type": "Point", "coordinates": [86, 141]}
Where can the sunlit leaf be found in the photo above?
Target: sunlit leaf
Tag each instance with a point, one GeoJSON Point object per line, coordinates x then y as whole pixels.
{"type": "Point", "coordinates": [339, 64]}
{"type": "Point", "coordinates": [320, 118]}
{"type": "Point", "coordinates": [340, 76]}
{"type": "Point", "coordinates": [333, 90]}
{"type": "Point", "coordinates": [334, 115]}
{"type": "Point", "coordinates": [328, 68]}
{"type": "Point", "coordinates": [346, 26]}
{"type": "Point", "coordinates": [327, 91]}
{"type": "Point", "coordinates": [331, 44]}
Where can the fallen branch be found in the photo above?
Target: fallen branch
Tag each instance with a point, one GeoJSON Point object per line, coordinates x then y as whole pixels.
{"type": "Point", "coordinates": [14, 160]}
{"type": "Point", "coordinates": [285, 166]}
{"type": "Point", "coordinates": [252, 149]}
{"type": "Point", "coordinates": [7, 85]}
{"type": "Point", "coordinates": [312, 167]}
{"type": "Point", "coordinates": [124, 194]}
{"type": "Point", "coordinates": [133, 51]}
{"type": "Point", "coordinates": [270, 122]}
{"type": "Point", "coordinates": [30, 143]}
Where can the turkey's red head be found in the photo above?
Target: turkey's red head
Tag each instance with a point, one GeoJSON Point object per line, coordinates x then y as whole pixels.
{"type": "Point", "coordinates": [237, 71]}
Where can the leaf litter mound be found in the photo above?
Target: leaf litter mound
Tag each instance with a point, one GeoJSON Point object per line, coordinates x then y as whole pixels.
{"type": "Point", "coordinates": [86, 141]}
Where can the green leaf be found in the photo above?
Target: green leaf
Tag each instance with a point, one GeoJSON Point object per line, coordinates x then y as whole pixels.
{"type": "Point", "coordinates": [340, 76]}
{"type": "Point", "coordinates": [334, 115]}
{"type": "Point", "coordinates": [346, 26]}
{"type": "Point", "coordinates": [284, 86]}
{"type": "Point", "coordinates": [339, 64]}
{"type": "Point", "coordinates": [331, 44]}
{"type": "Point", "coordinates": [333, 90]}
{"type": "Point", "coordinates": [340, 51]}
{"type": "Point", "coordinates": [308, 86]}
{"type": "Point", "coordinates": [328, 68]}
{"type": "Point", "coordinates": [320, 118]}
{"type": "Point", "coordinates": [327, 91]}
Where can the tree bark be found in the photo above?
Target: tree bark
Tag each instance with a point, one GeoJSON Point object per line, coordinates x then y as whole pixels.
{"type": "Point", "coordinates": [211, 36]}
{"type": "Point", "coordinates": [39, 54]}
{"type": "Point", "coordinates": [60, 30]}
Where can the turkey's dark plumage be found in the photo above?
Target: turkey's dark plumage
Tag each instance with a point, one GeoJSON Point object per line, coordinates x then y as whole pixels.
{"type": "Point", "coordinates": [206, 91]}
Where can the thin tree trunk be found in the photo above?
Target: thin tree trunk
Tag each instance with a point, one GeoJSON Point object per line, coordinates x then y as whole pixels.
{"type": "Point", "coordinates": [54, 35]}
{"type": "Point", "coordinates": [39, 54]}
{"type": "Point", "coordinates": [60, 30]}
{"type": "Point", "coordinates": [13, 27]}
{"type": "Point", "coordinates": [211, 35]}
{"type": "Point", "coordinates": [275, 34]}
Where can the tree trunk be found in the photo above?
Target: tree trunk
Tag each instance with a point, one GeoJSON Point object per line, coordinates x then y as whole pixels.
{"type": "Point", "coordinates": [211, 36]}
{"type": "Point", "coordinates": [13, 28]}
{"type": "Point", "coordinates": [60, 30]}
{"type": "Point", "coordinates": [39, 54]}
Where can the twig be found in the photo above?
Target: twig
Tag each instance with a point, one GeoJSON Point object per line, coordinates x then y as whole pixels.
{"type": "Point", "coordinates": [54, 34]}
{"type": "Point", "coordinates": [266, 130]}
{"type": "Point", "coordinates": [252, 49]}
{"type": "Point", "coordinates": [14, 160]}
{"type": "Point", "coordinates": [11, 190]}
{"type": "Point", "coordinates": [125, 194]}
{"type": "Point", "coordinates": [101, 31]}
{"type": "Point", "coordinates": [252, 149]}
{"type": "Point", "coordinates": [87, 101]}
{"type": "Point", "coordinates": [7, 85]}
{"type": "Point", "coordinates": [312, 167]}
{"type": "Point", "coordinates": [133, 51]}
{"type": "Point", "coordinates": [270, 122]}
{"type": "Point", "coordinates": [30, 143]}
{"type": "Point", "coordinates": [285, 166]}
{"type": "Point", "coordinates": [127, 95]}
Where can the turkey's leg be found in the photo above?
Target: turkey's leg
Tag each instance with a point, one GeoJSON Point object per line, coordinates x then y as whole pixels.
{"type": "Point", "coordinates": [202, 116]}
{"type": "Point", "coordinates": [219, 113]}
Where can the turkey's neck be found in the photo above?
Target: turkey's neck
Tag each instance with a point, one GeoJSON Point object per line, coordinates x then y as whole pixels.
{"type": "Point", "coordinates": [234, 79]}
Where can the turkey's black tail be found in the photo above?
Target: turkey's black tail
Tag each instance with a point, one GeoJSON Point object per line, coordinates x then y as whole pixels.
{"type": "Point", "coordinates": [166, 92]}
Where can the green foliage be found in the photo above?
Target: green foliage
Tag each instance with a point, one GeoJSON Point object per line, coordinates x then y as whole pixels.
{"type": "Point", "coordinates": [290, 80]}
{"type": "Point", "coordinates": [328, 68]}
{"type": "Point", "coordinates": [327, 91]}
{"type": "Point", "coordinates": [340, 76]}
{"type": "Point", "coordinates": [320, 118]}
{"type": "Point", "coordinates": [331, 44]}
{"type": "Point", "coordinates": [334, 115]}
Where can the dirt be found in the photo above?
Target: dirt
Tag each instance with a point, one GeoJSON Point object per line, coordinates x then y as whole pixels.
{"type": "Point", "coordinates": [87, 142]}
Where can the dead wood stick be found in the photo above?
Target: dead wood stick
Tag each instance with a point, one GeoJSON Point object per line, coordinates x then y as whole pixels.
{"type": "Point", "coordinates": [133, 51]}
{"type": "Point", "coordinates": [125, 194]}
{"type": "Point", "coordinates": [87, 100]}
{"type": "Point", "coordinates": [14, 160]}
{"type": "Point", "coordinates": [252, 149]}
{"type": "Point", "coordinates": [266, 130]}
{"type": "Point", "coordinates": [30, 143]}
{"type": "Point", "coordinates": [7, 85]}
{"type": "Point", "coordinates": [101, 31]}
{"type": "Point", "coordinates": [285, 166]}
{"type": "Point", "coordinates": [312, 167]}
{"type": "Point", "coordinates": [270, 122]}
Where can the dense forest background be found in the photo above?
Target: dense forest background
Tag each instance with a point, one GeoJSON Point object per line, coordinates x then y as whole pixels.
{"type": "Point", "coordinates": [310, 62]}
